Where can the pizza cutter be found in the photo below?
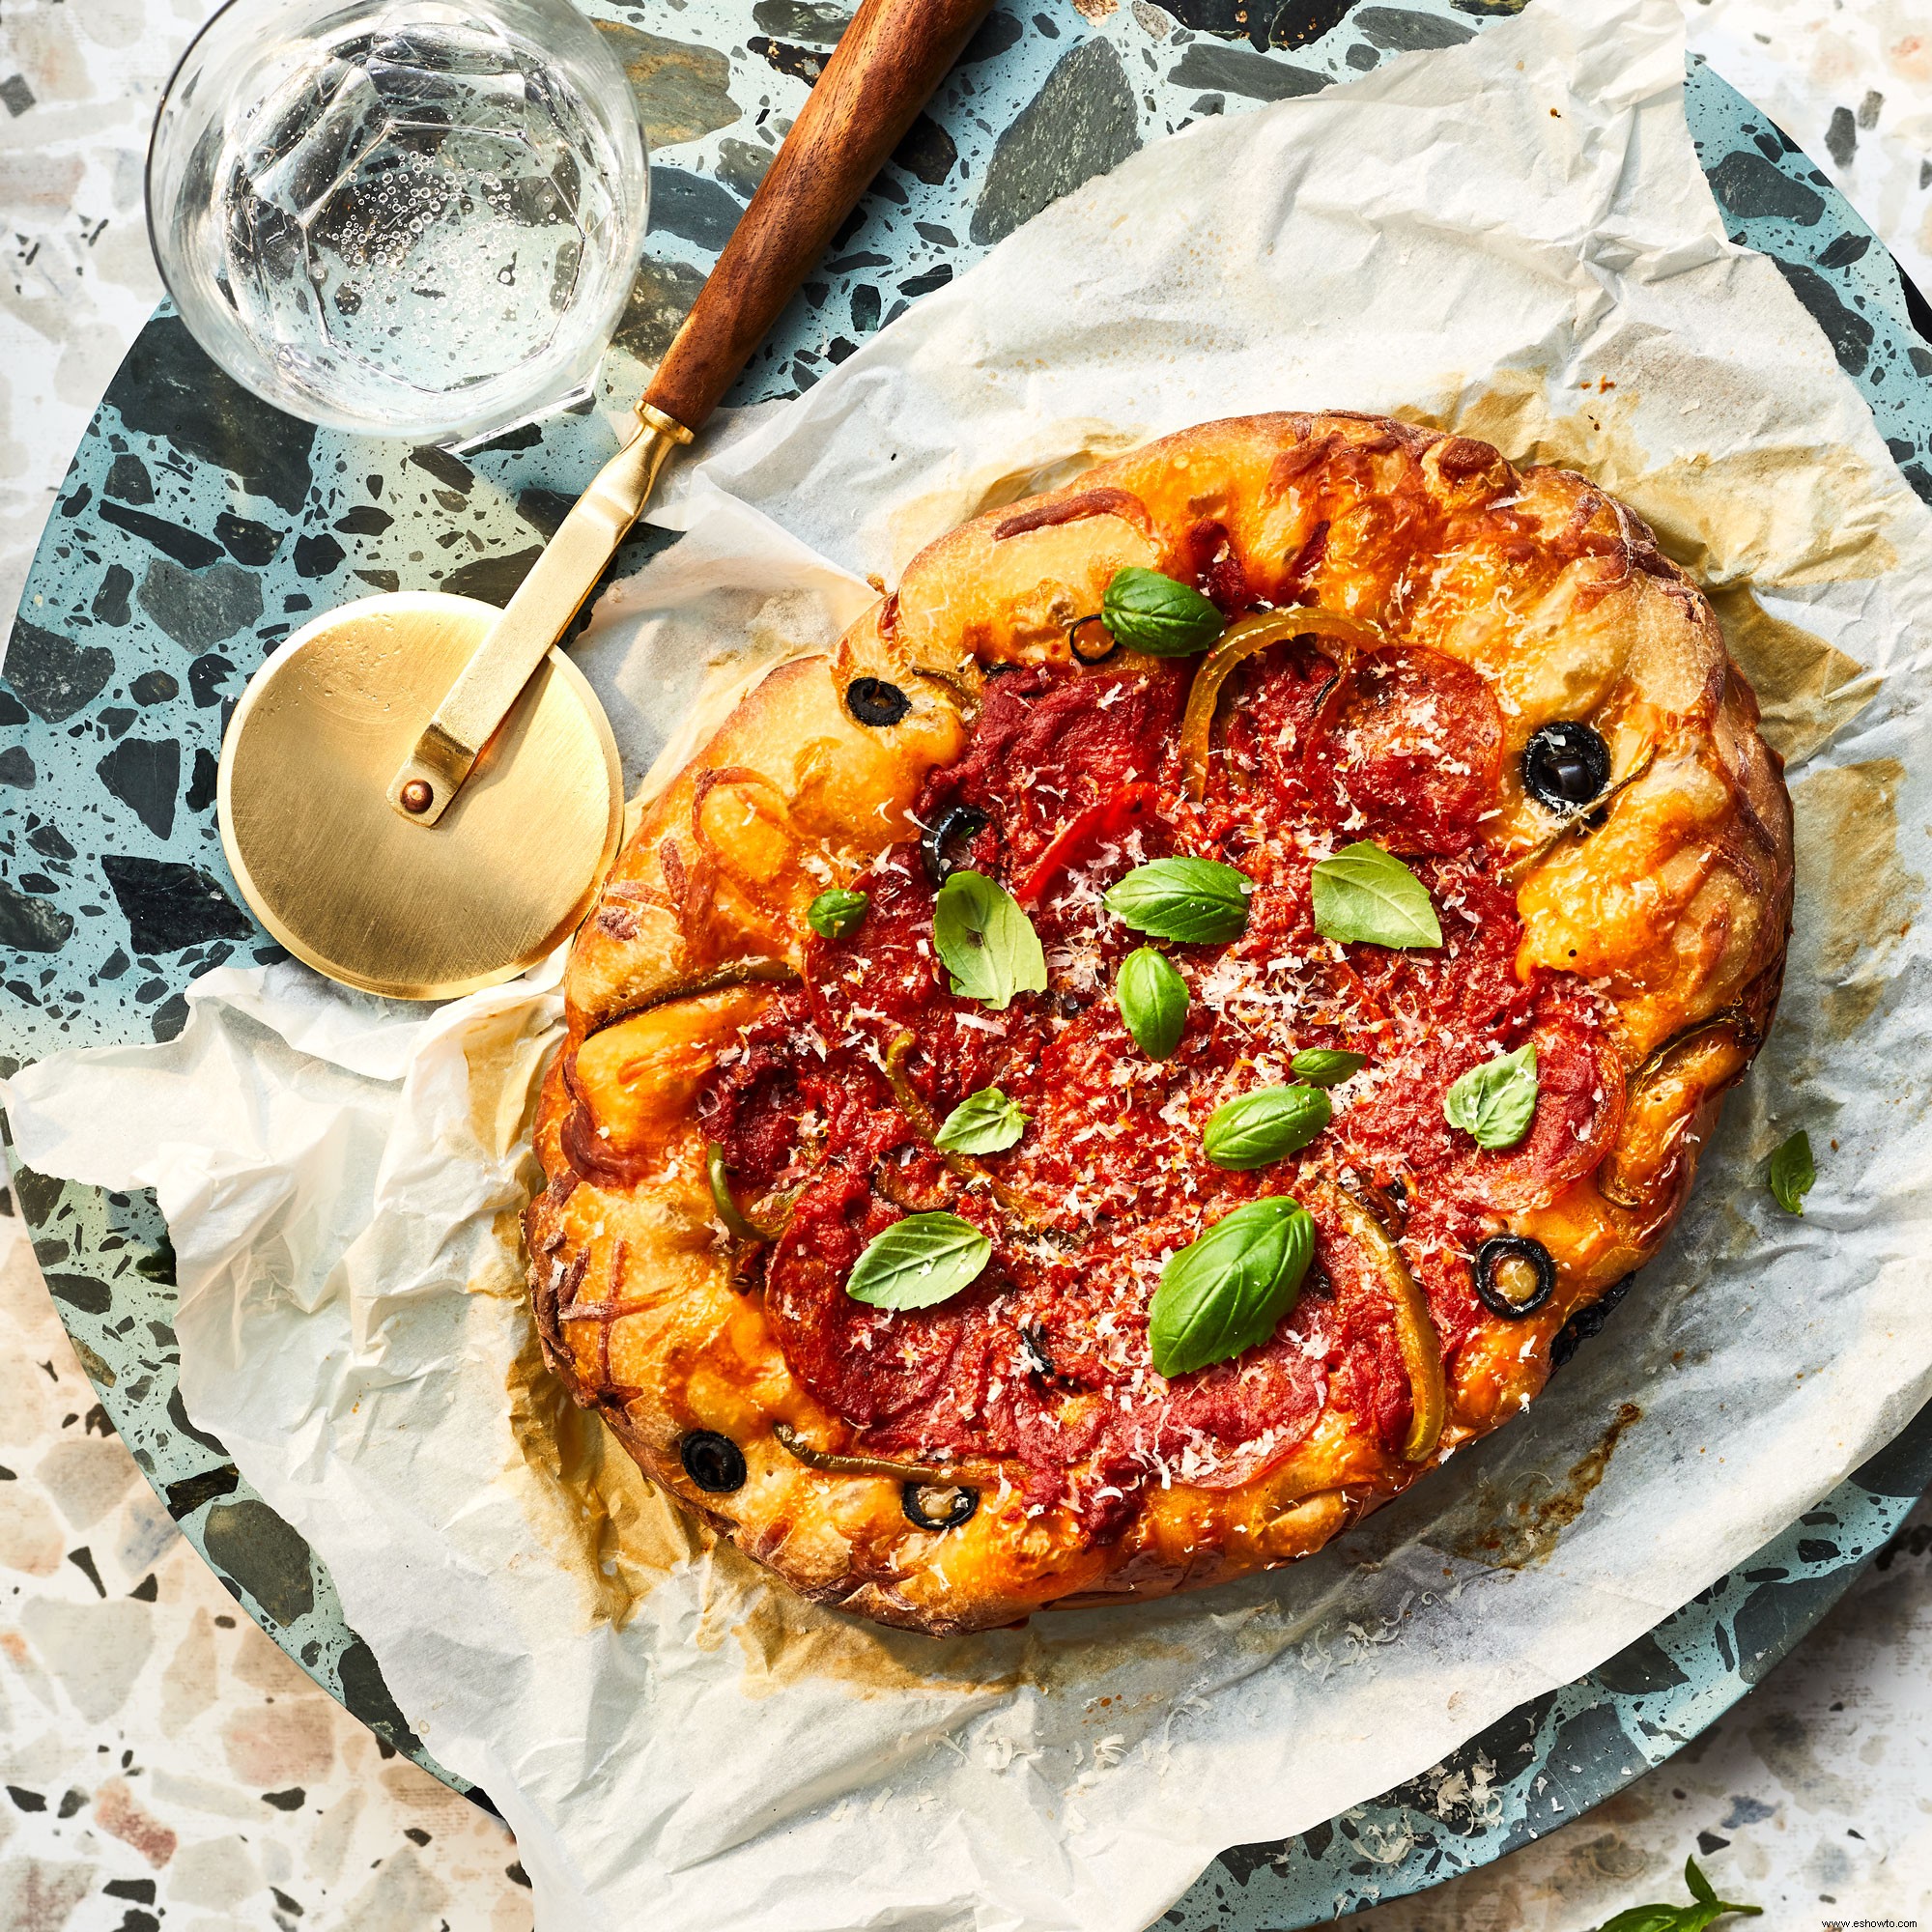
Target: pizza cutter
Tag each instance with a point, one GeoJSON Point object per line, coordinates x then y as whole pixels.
{"type": "Point", "coordinates": [420, 794]}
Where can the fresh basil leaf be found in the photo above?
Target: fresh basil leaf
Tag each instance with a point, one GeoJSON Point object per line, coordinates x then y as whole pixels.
{"type": "Point", "coordinates": [986, 941]}
{"type": "Point", "coordinates": [1708, 1907]}
{"type": "Point", "coordinates": [1224, 1293]}
{"type": "Point", "coordinates": [1264, 1125]}
{"type": "Point", "coordinates": [1494, 1103]}
{"type": "Point", "coordinates": [920, 1261]}
{"type": "Point", "coordinates": [1706, 1895]}
{"type": "Point", "coordinates": [1152, 998]}
{"type": "Point", "coordinates": [1199, 901]}
{"type": "Point", "coordinates": [1150, 613]}
{"type": "Point", "coordinates": [1793, 1172]}
{"type": "Point", "coordinates": [1326, 1065]}
{"type": "Point", "coordinates": [1363, 893]}
{"type": "Point", "coordinates": [1699, 1886]}
{"type": "Point", "coordinates": [984, 1122]}
{"type": "Point", "coordinates": [1646, 1919]}
{"type": "Point", "coordinates": [839, 913]}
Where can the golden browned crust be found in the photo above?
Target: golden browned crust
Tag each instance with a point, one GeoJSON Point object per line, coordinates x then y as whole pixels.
{"type": "Point", "coordinates": [1678, 906]}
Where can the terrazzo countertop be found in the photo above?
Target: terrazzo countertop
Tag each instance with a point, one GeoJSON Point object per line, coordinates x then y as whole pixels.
{"type": "Point", "coordinates": [163, 1763]}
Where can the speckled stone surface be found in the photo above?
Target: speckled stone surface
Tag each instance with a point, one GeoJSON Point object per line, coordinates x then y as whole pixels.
{"type": "Point", "coordinates": [195, 529]}
{"type": "Point", "coordinates": [161, 1762]}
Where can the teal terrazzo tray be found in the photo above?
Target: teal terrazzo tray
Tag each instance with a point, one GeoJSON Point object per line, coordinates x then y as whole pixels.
{"type": "Point", "coordinates": [196, 528]}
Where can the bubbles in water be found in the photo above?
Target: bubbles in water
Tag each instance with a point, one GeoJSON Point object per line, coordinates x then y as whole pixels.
{"type": "Point", "coordinates": [413, 213]}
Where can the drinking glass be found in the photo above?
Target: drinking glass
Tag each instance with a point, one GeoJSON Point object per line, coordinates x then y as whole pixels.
{"type": "Point", "coordinates": [403, 218]}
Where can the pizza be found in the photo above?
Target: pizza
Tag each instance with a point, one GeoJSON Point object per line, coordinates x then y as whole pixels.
{"type": "Point", "coordinates": [1103, 1078]}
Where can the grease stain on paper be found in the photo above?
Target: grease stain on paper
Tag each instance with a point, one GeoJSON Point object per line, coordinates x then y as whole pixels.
{"type": "Point", "coordinates": [1518, 1524]}
{"type": "Point", "coordinates": [1782, 515]}
{"type": "Point", "coordinates": [1850, 876]}
{"type": "Point", "coordinates": [505, 1053]}
{"type": "Point", "coordinates": [604, 1519]}
{"type": "Point", "coordinates": [1807, 691]}
{"type": "Point", "coordinates": [785, 1640]}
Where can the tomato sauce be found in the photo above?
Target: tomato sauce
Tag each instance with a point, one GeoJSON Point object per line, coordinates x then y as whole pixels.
{"type": "Point", "coordinates": [1044, 1360]}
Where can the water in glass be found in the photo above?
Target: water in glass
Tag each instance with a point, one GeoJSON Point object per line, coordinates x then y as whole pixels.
{"type": "Point", "coordinates": [410, 216]}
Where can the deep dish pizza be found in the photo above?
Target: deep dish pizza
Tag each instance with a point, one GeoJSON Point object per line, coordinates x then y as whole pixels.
{"type": "Point", "coordinates": [1107, 1076]}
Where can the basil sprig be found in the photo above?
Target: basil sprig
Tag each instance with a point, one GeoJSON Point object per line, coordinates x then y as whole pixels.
{"type": "Point", "coordinates": [1363, 893]}
{"type": "Point", "coordinates": [1266, 1125]}
{"type": "Point", "coordinates": [1694, 1917]}
{"type": "Point", "coordinates": [920, 1261]}
{"type": "Point", "coordinates": [984, 1122]}
{"type": "Point", "coordinates": [1199, 901]}
{"type": "Point", "coordinates": [986, 941]}
{"type": "Point", "coordinates": [1156, 614]}
{"type": "Point", "coordinates": [1223, 1293]}
{"type": "Point", "coordinates": [1494, 1103]}
{"type": "Point", "coordinates": [839, 913]}
{"type": "Point", "coordinates": [1793, 1172]}
{"type": "Point", "coordinates": [1326, 1065]}
{"type": "Point", "coordinates": [1152, 999]}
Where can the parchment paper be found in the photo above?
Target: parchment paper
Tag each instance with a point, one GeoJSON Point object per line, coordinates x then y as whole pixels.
{"type": "Point", "coordinates": [1511, 236]}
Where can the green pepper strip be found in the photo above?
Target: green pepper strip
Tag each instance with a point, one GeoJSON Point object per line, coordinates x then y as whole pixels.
{"type": "Point", "coordinates": [737, 1223]}
{"type": "Point", "coordinates": [793, 1442]}
{"type": "Point", "coordinates": [746, 972]}
{"type": "Point", "coordinates": [1577, 824]}
{"type": "Point", "coordinates": [925, 1124]}
{"type": "Point", "coordinates": [1415, 1329]}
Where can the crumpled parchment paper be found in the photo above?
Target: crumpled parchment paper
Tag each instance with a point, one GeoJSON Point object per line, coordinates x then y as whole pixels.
{"type": "Point", "coordinates": [1512, 238]}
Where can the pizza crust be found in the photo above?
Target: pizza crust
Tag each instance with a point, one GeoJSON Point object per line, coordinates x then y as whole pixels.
{"type": "Point", "coordinates": [1549, 588]}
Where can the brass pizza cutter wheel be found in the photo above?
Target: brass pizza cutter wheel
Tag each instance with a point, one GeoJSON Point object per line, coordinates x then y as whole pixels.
{"type": "Point", "coordinates": [420, 794]}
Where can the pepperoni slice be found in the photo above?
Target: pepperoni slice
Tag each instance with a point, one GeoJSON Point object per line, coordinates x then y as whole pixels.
{"type": "Point", "coordinates": [1273, 721]}
{"type": "Point", "coordinates": [1273, 1393]}
{"type": "Point", "coordinates": [1578, 1107]}
{"type": "Point", "coordinates": [1044, 745]}
{"type": "Point", "coordinates": [1419, 743]}
{"type": "Point", "coordinates": [869, 1364]}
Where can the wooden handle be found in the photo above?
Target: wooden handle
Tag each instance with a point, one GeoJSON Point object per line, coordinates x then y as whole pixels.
{"type": "Point", "coordinates": [881, 74]}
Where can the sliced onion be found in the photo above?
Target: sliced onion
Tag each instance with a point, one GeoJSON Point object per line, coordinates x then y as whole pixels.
{"type": "Point", "coordinates": [1613, 1183]}
{"type": "Point", "coordinates": [1239, 642]}
{"type": "Point", "coordinates": [1415, 1328]}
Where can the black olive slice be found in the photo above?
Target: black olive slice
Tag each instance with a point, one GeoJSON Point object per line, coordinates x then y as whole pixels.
{"type": "Point", "coordinates": [1514, 1275]}
{"type": "Point", "coordinates": [1587, 1322]}
{"type": "Point", "coordinates": [952, 827]}
{"type": "Point", "coordinates": [713, 1462]}
{"type": "Point", "coordinates": [871, 701]}
{"type": "Point", "coordinates": [938, 1505]}
{"type": "Point", "coordinates": [1565, 766]}
{"type": "Point", "coordinates": [1090, 648]}
{"type": "Point", "coordinates": [1034, 1353]}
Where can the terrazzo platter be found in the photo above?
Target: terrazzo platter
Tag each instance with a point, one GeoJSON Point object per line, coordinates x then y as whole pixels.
{"type": "Point", "coordinates": [197, 527]}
